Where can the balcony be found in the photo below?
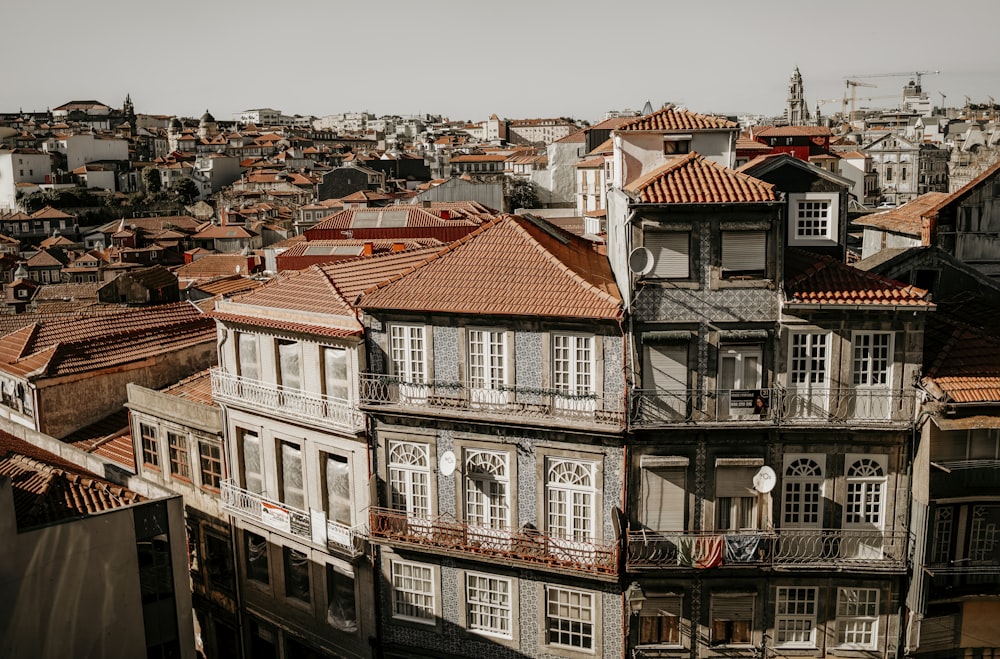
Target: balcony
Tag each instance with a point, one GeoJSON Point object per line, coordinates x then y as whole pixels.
{"type": "Point", "coordinates": [509, 403]}
{"type": "Point", "coordinates": [776, 406]}
{"type": "Point", "coordinates": [811, 549]}
{"type": "Point", "coordinates": [527, 547]}
{"type": "Point", "coordinates": [964, 576]}
{"type": "Point", "coordinates": [295, 404]}
{"type": "Point", "coordinates": [292, 521]}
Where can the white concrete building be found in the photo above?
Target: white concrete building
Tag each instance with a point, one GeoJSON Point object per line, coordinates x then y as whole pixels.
{"type": "Point", "coordinates": [18, 167]}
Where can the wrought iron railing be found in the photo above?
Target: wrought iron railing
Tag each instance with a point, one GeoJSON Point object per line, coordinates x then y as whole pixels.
{"type": "Point", "coordinates": [289, 520]}
{"type": "Point", "coordinates": [777, 405]}
{"type": "Point", "coordinates": [805, 548]}
{"type": "Point", "coordinates": [526, 545]}
{"type": "Point", "coordinates": [532, 404]}
{"type": "Point", "coordinates": [316, 409]}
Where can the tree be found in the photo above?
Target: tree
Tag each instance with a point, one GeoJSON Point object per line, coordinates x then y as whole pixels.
{"type": "Point", "coordinates": [185, 189]}
{"type": "Point", "coordinates": [520, 193]}
{"type": "Point", "coordinates": [151, 180]}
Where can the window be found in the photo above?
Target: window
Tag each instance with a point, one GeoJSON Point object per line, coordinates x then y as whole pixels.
{"type": "Point", "coordinates": [219, 562]}
{"type": "Point", "coordinates": [337, 485]}
{"type": "Point", "coordinates": [872, 359]}
{"type": "Point", "coordinates": [736, 502]}
{"type": "Point", "coordinates": [487, 365]}
{"type": "Point", "coordinates": [673, 146]}
{"type": "Point", "coordinates": [296, 575]}
{"type": "Point", "coordinates": [409, 478]}
{"type": "Point", "coordinates": [665, 378]}
{"type": "Point", "coordinates": [670, 253]}
{"type": "Point", "coordinates": [341, 607]}
{"type": "Point", "coordinates": [289, 365]}
{"type": "Point", "coordinates": [983, 535]}
{"type": "Point", "coordinates": [486, 490]}
{"type": "Point", "coordinates": [407, 351]}
{"type": "Point", "coordinates": [865, 484]}
{"type": "Point", "coordinates": [803, 493]}
{"type": "Point", "coordinates": [663, 497]}
{"type": "Point", "coordinates": [569, 617]}
{"type": "Point", "coordinates": [814, 218]}
{"type": "Point", "coordinates": [335, 373]}
{"type": "Point", "coordinates": [253, 473]}
{"type": "Point", "coordinates": [570, 499]}
{"type": "Point", "coordinates": [256, 557]}
{"type": "Point", "coordinates": [739, 381]}
{"type": "Point", "coordinates": [177, 448]}
{"type": "Point", "coordinates": [795, 617]}
{"type": "Point", "coordinates": [573, 364]}
{"type": "Point", "coordinates": [857, 617]}
{"type": "Point", "coordinates": [744, 253]}
{"type": "Point", "coordinates": [210, 458]}
{"type": "Point", "coordinates": [292, 488]}
{"type": "Point", "coordinates": [150, 452]}
{"type": "Point", "coordinates": [413, 592]}
{"type": "Point", "coordinates": [944, 518]}
{"type": "Point", "coordinates": [807, 374]}
{"type": "Point", "coordinates": [249, 362]}
{"type": "Point", "coordinates": [488, 604]}
{"type": "Point", "coordinates": [732, 618]}
{"type": "Point", "coordinates": [660, 621]}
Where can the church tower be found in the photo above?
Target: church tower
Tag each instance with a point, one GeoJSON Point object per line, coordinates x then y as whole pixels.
{"type": "Point", "coordinates": [797, 113]}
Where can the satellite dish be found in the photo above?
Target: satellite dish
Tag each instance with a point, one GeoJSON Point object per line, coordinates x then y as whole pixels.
{"type": "Point", "coordinates": [764, 480]}
{"type": "Point", "coordinates": [446, 464]}
{"type": "Point", "coordinates": [640, 261]}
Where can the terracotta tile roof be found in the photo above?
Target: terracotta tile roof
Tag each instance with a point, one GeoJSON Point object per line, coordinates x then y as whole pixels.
{"type": "Point", "coordinates": [355, 246]}
{"type": "Point", "coordinates": [512, 266]}
{"type": "Point", "coordinates": [961, 193]}
{"type": "Point", "coordinates": [694, 179]}
{"type": "Point", "coordinates": [225, 231]}
{"type": "Point", "coordinates": [196, 388]}
{"type": "Point", "coordinates": [812, 280]}
{"type": "Point", "coordinates": [309, 290]}
{"type": "Point", "coordinates": [110, 438]}
{"type": "Point", "coordinates": [62, 347]}
{"type": "Point", "coordinates": [965, 366]}
{"type": "Point", "coordinates": [354, 276]}
{"type": "Point", "coordinates": [670, 119]}
{"type": "Point", "coordinates": [597, 161]}
{"type": "Point", "coordinates": [49, 213]}
{"type": "Point", "coordinates": [391, 216]}
{"type": "Point", "coordinates": [794, 131]}
{"type": "Point", "coordinates": [213, 265]}
{"type": "Point", "coordinates": [79, 291]}
{"type": "Point", "coordinates": [182, 222]}
{"type": "Point", "coordinates": [903, 219]}
{"type": "Point", "coordinates": [227, 285]}
{"type": "Point", "coordinates": [49, 489]}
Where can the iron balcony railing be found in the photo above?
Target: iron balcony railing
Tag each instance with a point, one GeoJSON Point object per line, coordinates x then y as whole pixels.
{"type": "Point", "coordinates": [869, 549]}
{"type": "Point", "coordinates": [550, 406]}
{"type": "Point", "coordinates": [315, 409]}
{"type": "Point", "coordinates": [291, 521]}
{"type": "Point", "coordinates": [777, 406]}
{"type": "Point", "coordinates": [526, 545]}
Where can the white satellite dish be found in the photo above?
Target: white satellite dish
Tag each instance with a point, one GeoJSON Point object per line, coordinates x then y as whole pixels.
{"type": "Point", "coordinates": [764, 480]}
{"type": "Point", "coordinates": [640, 261]}
{"type": "Point", "coordinates": [446, 464]}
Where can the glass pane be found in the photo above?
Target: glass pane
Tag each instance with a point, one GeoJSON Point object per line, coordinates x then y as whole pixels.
{"type": "Point", "coordinates": [338, 489]}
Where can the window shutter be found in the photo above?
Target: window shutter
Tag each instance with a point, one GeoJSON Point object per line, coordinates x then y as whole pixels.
{"type": "Point", "coordinates": [666, 605]}
{"type": "Point", "coordinates": [666, 368]}
{"type": "Point", "coordinates": [734, 481]}
{"type": "Point", "coordinates": [743, 250]}
{"type": "Point", "coordinates": [732, 607]}
{"type": "Point", "coordinates": [663, 498]}
{"type": "Point", "coordinates": [670, 253]}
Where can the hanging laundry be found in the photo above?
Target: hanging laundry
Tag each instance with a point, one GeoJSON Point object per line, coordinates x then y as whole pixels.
{"type": "Point", "coordinates": [741, 548]}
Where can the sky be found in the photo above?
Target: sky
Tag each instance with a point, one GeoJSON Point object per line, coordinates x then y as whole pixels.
{"type": "Point", "coordinates": [469, 59]}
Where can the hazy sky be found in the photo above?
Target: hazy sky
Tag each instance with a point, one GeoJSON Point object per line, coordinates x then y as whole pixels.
{"type": "Point", "coordinates": [469, 59]}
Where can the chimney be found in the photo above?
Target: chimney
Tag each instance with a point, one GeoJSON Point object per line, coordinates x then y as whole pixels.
{"type": "Point", "coordinates": [426, 204]}
{"type": "Point", "coordinates": [398, 247]}
{"type": "Point", "coordinates": [367, 249]}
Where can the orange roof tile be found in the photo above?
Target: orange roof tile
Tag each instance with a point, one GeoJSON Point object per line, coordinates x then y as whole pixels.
{"type": "Point", "coordinates": [390, 216]}
{"type": "Point", "coordinates": [903, 219]}
{"type": "Point", "coordinates": [794, 131]}
{"type": "Point", "coordinates": [512, 266]}
{"type": "Point", "coordinates": [812, 280]}
{"type": "Point", "coordinates": [694, 179]}
{"type": "Point", "coordinates": [196, 388]}
{"type": "Point", "coordinates": [670, 119]}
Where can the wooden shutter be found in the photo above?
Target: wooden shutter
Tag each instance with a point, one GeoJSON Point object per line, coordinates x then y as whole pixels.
{"type": "Point", "coordinates": [732, 607]}
{"type": "Point", "coordinates": [670, 253]}
{"type": "Point", "coordinates": [663, 499]}
{"type": "Point", "coordinates": [743, 250]}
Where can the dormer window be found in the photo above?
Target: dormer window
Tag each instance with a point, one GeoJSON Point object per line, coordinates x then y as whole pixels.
{"type": "Point", "coordinates": [676, 145]}
{"type": "Point", "coordinates": [813, 218]}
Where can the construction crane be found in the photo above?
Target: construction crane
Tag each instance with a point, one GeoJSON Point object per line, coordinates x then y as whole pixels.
{"type": "Point", "coordinates": [853, 86]}
{"type": "Point", "coordinates": [916, 75]}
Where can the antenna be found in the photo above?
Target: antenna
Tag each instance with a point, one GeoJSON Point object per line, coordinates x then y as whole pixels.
{"type": "Point", "coordinates": [764, 480]}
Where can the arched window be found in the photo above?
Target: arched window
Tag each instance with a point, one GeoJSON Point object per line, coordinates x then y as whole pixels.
{"type": "Point", "coordinates": [409, 478]}
{"type": "Point", "coordinates": [571, 499]}
{"type": "Point", "coordinates": [486, 489]}
{"type": "Point", "coordinates": [865, 493]}
{"type": "Point", "coordinates": [803, 489]}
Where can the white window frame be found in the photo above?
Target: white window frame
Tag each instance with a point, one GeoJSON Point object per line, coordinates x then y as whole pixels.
{"type": "Point", "coordinates": [489, 360]}
{"type": "Point", "coordinates": [802, 491]}
{"type": "Point", "coordinates": [288, 453]}
{"type": "Point", "coordinates": [408, 353]}
{"type": "Point", "coordinates": [409, 465]}
{"type": "Point", "coordinates": [571, 499]}
{"type": "Point", "coordinates": [418, 581]}
{"type": "Point", "coordinates": [812, 349]}
{"type": "Point", "coordinates": [559, 610]}
{"type": "Point", "coordinates": [870, 369]}
{"type": "Point", "coordinates": [489, 605]}
{"type": "Point", "coordinates": [336, 385]}
{"type": "Point", "coordinates": [243, 434]}
{"type": "Point", "coordinates": [857, 617]}
{"type": "Point", "coordinates": [742, 380]}
{"type": "Point", "coordinates": [795, 611]}
{"type": "Point", "coordinates": [487, 489]}
{"type": "Point", "coordinates": [866, 490]}
{"type": "Point", "coordinates": [808, 202]}
{"type": "Point", "coordinates": [573, 363]}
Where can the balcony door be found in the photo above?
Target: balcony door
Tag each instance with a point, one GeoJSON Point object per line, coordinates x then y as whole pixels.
{"type": "Point", "coordinates": [739, 382]}
{"type": "Point", "coordinates": [488, 368]}
{"type": "Point", "coordinates": [571, 498]}
{"type": "Point", "coordinates": [409, 484]}
{"type": "Point", "coordinates": [808, 375]}
{"type": "Point", "coordinates": [864, 508]}
{"type": "Point", "coordinates": [872, 376]}
{"type": "Point", "coordinates": [487, 499]}
{"type": "Point", "coordinates": [665, 380]}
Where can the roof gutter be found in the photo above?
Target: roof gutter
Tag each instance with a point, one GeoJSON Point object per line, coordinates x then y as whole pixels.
{"type": "Point", "coordinates": [819, 306]}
